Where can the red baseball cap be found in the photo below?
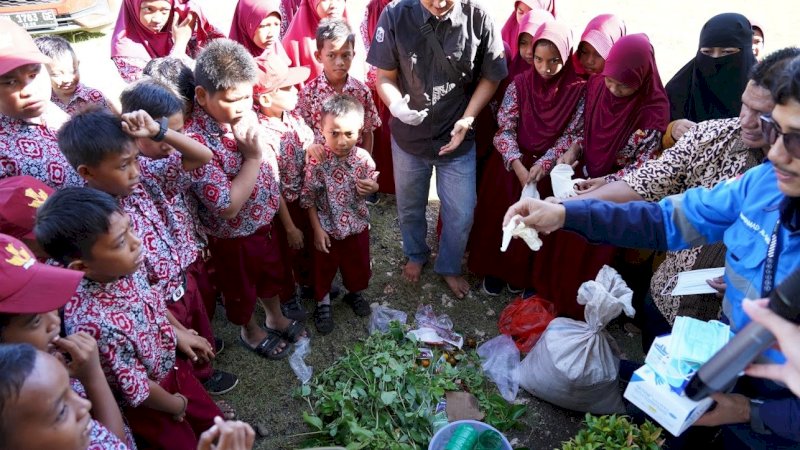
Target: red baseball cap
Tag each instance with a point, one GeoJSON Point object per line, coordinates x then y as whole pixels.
{"type": "Point", "coordinates": [28, 286]}
{"type": "Point", "coordinates": [274, 73]}
{"type": "Point", "coordinates": [20, 198]}
{"type": "Point", "coordinates": [17, 47]}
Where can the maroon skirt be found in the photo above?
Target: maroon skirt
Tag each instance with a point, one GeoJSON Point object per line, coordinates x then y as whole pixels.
{"type": "Point", "coordinates": [382, 148]}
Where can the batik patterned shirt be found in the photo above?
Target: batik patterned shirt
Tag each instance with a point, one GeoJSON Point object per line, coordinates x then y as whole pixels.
{"type": "Point", "coordinates": [32, 149]}
{"type": "Point", "coordinates": [101, 438]}
{"type": "Point", "coordinates": [212, 182]}
{"type": "Point", "coordinates": [136, 341]}
{"type": "Point", "coordinates": [508, 119]}
{"type": "Point", "coordinates": [84, 95]}
{"type": "Point", "coordinates": [164, 259]}
{"type": "Point", "coordinates": [331, 187]}
{"type": "Point", "coordinates": [314, 94]}
{"type": "Point", "coordinates": [294, 137]}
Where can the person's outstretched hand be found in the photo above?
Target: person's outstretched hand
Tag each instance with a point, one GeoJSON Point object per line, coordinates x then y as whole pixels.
{"type": "Point", "coordinates": [399, 108]}
{"type": "Point", "coordinates": [457, 136]}
{"type": "Point", "coordinates": [788, 335]}
{"type": "Point", "coordinates": [227, 435]}
{"type": "Point", "coordinates": [544, 217]}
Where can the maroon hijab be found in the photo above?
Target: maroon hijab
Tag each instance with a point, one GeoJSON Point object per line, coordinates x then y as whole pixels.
{"type": "Point", "coordinates": [374, 10]}
{"type": "Point", "coordinates": [609, 120]}
{"type": "Point", "coordinates": [247, 18]}
{"type": "Point", "coordinates": [133, 40]}
{"type": "Point", "coordinates": [546, 106]}
{"type": "Point", "coordinates": [510, 30]}
{"type": "Point", "coordinates": [530, 24]}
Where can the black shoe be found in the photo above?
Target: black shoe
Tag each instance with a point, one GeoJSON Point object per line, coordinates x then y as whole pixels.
{"type": "Point", "coordinates": [492, 286]}
{"type": "Point", "coordinates": [294, 309]}
{"type": "Point", "coordinates": [528, 293]}
{"type": "Point", "coordinates": [323, 318]}
{"type": "Point", "coordinates": [221, 382]}
{"type": "Point", "coordinates": [373, 199]}
{"type": "Point", "coordinates": [219, 345]}
{"type": "Point", "coordinates": [359, 304]}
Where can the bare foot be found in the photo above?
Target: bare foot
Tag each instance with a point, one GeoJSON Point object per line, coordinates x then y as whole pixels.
{"type": "Point", "coordinates": [457, 284]}
{"type": "Point", "coordinates": [412, 271]}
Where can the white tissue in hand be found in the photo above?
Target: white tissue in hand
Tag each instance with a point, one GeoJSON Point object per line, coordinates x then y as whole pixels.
{"type": "Point", "coordinates": [561, 179]}
{"type": "Point", "coordinates": [530, 191]}
{"type": "Point", "coordinates": [515, 227]}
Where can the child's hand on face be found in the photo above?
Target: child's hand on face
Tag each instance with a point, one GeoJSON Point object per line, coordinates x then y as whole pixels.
{"type": "Point", "coordinates": [139, 124]}
{"type": "Point", "coordinates": [248, 138]}
{"type": "Point", "coordinates": [197, 348]}
{"type": "Point", "coordinates": [182, 32]}
{"type": "Point", "coordinates": [322, 241]}
{"type": "Point", "coordinates": [84, 357]}
{"type": "Point", "coordinates": [366, 186]}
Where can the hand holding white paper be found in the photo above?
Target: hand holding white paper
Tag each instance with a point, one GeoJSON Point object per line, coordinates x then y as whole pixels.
{"type": "Point", "coordinates": [515, 227]}
{"type": "Point", "coordinates": [561, 179]}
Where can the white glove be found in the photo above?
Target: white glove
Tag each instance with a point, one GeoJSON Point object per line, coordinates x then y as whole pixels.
{"type": "Point", "coordinates": [399, 108]}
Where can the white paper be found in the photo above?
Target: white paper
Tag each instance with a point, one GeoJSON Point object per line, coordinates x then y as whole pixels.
{"type": "Point", "coordinates": [530, 191]}
{"type": "Point", "coordinates": [694, 281]}
{"type": "Point", "coordinates": [561, 179]}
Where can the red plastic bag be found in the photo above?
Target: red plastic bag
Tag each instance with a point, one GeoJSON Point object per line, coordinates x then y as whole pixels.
{"type": "Point", "coordinates": [525, 320]}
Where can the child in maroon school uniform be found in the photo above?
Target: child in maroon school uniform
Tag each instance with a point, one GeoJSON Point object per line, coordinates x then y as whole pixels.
{"type": "Point", "coordinates": [28, 120]}
{"type": "Point", "coordinates": [65, 78]}
{"type": "Point", "coordinates": [334, 192]}
{"type": "Point", "coordinates": [109, 162]}
{"type": "Point", "coordinates": [289, 136]}
{"type": "Point", "coordinates": [30, 298]}
{"type": "Point", "coordinates": [166, 406]}
{"type": "Point", "coordinates": [239, 196]}
{"type": "Point", "coordinates": [156, 160]}
{"type": "Point", "coordinates": [335, 51]}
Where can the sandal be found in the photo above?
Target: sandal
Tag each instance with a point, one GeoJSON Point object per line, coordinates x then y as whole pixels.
{"type": "Point", "coordinates": [294, 310]}
{"type": "Point", "coordinates": [267, 345]}
{"type": "Point", "coordinates": [227, 410]}
{"type": "Point", "coordinates": [292, 333]}
{"type": "Point", "coordinates": [323, 319]}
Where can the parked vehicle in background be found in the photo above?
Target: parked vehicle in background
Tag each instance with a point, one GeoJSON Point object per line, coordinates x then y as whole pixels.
{"type": "Point", "coordinates": [60, 16]}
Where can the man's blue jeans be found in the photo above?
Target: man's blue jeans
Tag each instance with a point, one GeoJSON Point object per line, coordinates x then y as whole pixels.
{"type": "Point", "coordinates": [455, 184]}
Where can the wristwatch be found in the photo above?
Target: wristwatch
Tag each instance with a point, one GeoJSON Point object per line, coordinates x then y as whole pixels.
{"type": "Point", "coordinates": [162, 130]}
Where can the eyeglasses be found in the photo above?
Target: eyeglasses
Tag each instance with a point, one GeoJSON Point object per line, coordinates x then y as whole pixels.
{"type": "Point", "coordinates": [771, 131]}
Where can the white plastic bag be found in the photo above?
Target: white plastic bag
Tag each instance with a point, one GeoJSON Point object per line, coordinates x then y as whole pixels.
{"type": "Point", "coordinates": [500, 362]}
{"type": "Point", "coordinates": [562, 182]}
{"type": "Point", "coordinates": [381, 317]}
{"type": "Point", "coordinates": [574, 364]}
{"type": "Point", "coordinates": [297, 361]}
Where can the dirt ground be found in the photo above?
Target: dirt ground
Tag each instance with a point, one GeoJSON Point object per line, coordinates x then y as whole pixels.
{"type": "Point", "coordinates": [263, 396]}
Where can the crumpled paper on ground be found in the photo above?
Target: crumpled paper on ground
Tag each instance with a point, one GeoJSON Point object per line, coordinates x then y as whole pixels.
{"type": "Point", "coordinates": [515, 227]}
{"type": "Point", "coordinates": [561, 179]}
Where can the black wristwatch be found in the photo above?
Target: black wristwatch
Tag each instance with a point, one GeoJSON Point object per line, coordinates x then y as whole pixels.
{"type": "Point", "coordinates": [162, 129]}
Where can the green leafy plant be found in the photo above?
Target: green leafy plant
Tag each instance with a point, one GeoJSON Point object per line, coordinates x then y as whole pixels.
{"type": "Point", "coordinates": [377, 396]}
{"type": "Point", "coordinates": [615, 432]}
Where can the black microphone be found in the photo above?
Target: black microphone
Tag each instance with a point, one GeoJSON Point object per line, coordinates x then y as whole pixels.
{"type": "Point", "coordinates": [720, 372]}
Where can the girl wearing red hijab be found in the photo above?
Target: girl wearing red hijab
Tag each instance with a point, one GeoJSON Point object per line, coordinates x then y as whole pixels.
{"type": "Point", "coordinates": [148, 29]}
{"type": "Point", "coordinates": [510, 30]}
{"type": "Point", "coordinates": [381, 148]}
{"type": "Point", "coordinates": [541, 116]}
{"type": "Point", "coordinates": [522, 60]}
{"type": "Point", "coordinates": [626, 113]}
{"type": "Point", "coordinates": [256, 25]}
{"type": "Point", "coordinates": [596, 41]}
{"type": "Point", "coordinates": [300, 39]}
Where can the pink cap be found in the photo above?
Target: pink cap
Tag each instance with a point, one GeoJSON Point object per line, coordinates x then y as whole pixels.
{"type": "Point", "coordinates": [17, 47]}
{"type": "Point", "coordinates": [20, 198]}
{"type": "Point", "coordinates": [274, 73]}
